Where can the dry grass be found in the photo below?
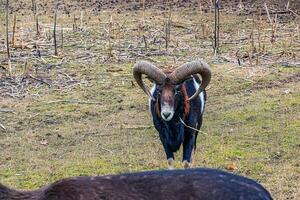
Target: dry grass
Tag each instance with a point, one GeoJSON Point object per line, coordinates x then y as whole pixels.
{"type": "Point", "coordinates": [91, 119]}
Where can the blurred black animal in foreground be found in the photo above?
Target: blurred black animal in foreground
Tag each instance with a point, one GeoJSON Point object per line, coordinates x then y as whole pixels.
{"type": "Point", "coordinates": [189, 184]}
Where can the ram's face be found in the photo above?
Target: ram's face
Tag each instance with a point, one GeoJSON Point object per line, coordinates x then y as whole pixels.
{"type": "Point", "coordinates": [168, 97]}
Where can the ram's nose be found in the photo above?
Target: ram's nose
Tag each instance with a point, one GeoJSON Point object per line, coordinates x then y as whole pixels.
{"type": "Point", "coordinates": [166, 114]}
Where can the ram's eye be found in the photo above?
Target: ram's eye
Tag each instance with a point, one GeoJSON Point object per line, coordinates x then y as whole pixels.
{"type": "Point", "coordinates": [158, 90]}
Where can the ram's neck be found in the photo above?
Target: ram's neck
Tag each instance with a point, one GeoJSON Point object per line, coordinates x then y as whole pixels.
{"type": "Point", "coordinates": [10, 194]}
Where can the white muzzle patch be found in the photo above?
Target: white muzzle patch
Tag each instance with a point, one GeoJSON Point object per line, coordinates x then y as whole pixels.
{"type": "Point", "coordinates": [167, 112]}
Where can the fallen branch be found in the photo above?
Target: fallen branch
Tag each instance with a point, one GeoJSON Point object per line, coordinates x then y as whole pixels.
{"type": "Point", "coordinates": [6, 110]}
{"type": "Point", "coordinates": [138, 127]}
{"type": "Point", "coordinates": [74, 101]}
{"type": "Point", "coordinates": [274, 12]}
{"type": "Point", "coordinates": [289, 64]}
{"type": "Point", "coordinates": [37, 79]}
{"type": "Point", "coordinates": [110, 151]}
{"type": "Point", "coordinates": [114, 70]}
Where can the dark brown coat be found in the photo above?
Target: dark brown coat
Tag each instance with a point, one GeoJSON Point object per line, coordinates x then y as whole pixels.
{"type": "Point", "coordinates": [191, 184]}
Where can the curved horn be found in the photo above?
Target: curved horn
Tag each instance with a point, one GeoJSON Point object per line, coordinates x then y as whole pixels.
{"type": "Point", "coordinates": [194, 67]}
{"type": "Point", "coordinates": [144, 67]}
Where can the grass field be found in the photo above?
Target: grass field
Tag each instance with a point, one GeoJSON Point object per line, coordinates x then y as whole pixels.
{"type": "Point", "coordinates": [80, 113]}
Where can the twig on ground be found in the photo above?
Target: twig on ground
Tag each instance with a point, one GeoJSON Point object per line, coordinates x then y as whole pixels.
{"type": "Point", "coordinates": [105, 149]}
{"type": "Point", "coordinates": [2, 126]}
{"type": "Point", "coordinates": [38, 79]}
{"type": "Point", "coordinates": [137, 127]}
{"type": "Point", "coordinates": [74, 101]}
{"type": "Point", "coordinates": [4, 110]}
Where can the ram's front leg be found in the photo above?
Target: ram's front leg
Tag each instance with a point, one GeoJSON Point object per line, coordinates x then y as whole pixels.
{"type": "Point", "coordinates": [188, 146]}
{"type": "Point", "coordinates": [170, 156]}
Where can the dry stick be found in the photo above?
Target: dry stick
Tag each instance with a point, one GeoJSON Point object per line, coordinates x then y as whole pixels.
{"type": "Point", "coordinates": [217, 27]}
{"type": "Point", "coordinates": [54, 29]}
{"type": "Point", "coordinates": [37, 21]}
{"type": "Point", "coordinates": [192, 127]}
{"type": "Point", "coordinates": [4, 110]}
{"type": "Point", "coordinates": [38, 79]}
{"type": "Point", "coordinates": [143, 22]}
{"type": "Point", "coordinates": [252, 36]}
{"type": "Point", "coordinates": [200, 7]}
{"type": "Point", "coordinates": [287, 5]}
{"type": "Point", "coordinates": [145, 42]}
{"type": "Point", "coordinates": [258, 30]}
{"type": "Point", "coordinates": [274, 28]}
{"type": "Point", "coordinates": [37, 49]}
{"type": "Point", "coordinates": [240, 5]}
{"type": "Point", "coordinates": [25, 71]}
{"type": "Point", "coordinates": [7, 41]}
{"type": "Point", "coordinates": [215, 31]}
{"type": "Point", "coordinates": [268, 14]}
{"type": "Point", "coordinates": [166, 34]}
{"type": "Point", "coordinates": [74, 23]}
{"type": "Point", "coordinates": [62, 37]}
{"type": "Point", "coordinates": [81, 19]}
{"type": "Point", "coordinates": [200, 23]}
{"type": "Point", "coordinates": [117, 37]}
{"type": "Point", "coordinates": [258, 36]}
{"type": "Point", "coordinates": [2, 126]}
{"type": "Point", "coordinates": [25, 68]}
{"type": "Point", "coordinates": [13, 33]}
{"type": "Point", "coordinates": [37, 25]}
{"type": "Point", "coordinates": [168, 29]}
{"type": "Point", "coordinates": [74, 101]}
{"type": "Point", "coordinates": [238, 57]}
{"type": "Point", "coordinates": [33, 8]}
{"type": "Point", "coordinates": [251, 43]}
{"type": "Point", "coordinates": [21, 38]}
{"type": "Point", "coordinates": [250, 59]}
{"type": "Point", "coordinates": [110, 27]}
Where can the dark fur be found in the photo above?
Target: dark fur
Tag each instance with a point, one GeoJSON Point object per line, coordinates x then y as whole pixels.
{"type": "Point", "coordinates": [191, 184]}
{"type": "Point", "coordinates": [173, 133]}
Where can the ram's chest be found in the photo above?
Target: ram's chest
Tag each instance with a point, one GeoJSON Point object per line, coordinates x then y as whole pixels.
{"type": "Point", "coordinates": [172, 134]}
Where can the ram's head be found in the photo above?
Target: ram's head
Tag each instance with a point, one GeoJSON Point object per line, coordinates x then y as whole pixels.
{"type": "Point", "coordinates": [168, 83]}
